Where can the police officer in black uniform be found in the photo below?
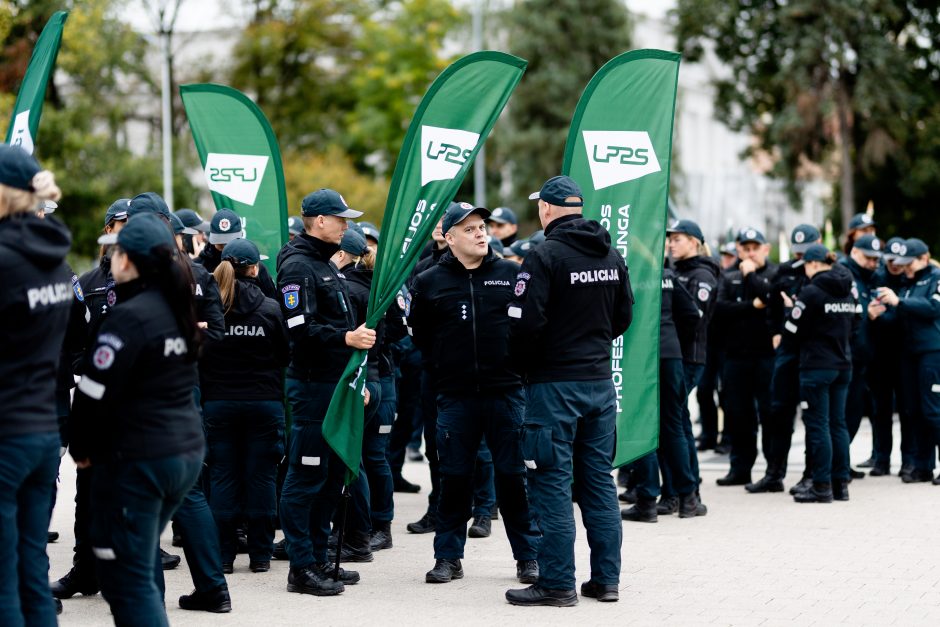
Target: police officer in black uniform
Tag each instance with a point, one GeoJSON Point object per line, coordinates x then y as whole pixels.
{"type": "Point", "coordinates": [917, 308]}
{"type": "Point", "coordinates": [458, 321]}
{"type": "Point", "coordinates": [225, 227]}
{"type": "Point", "coordinates": [34, 311]}
{"type": "Point", "coordinates": [562, 348]}
{"type": "Point", "coordinates": [315, 303]}
{"type": "Point", "coordinates": [504, 226]}
{"type": "Point", "coordinates": [822, 321]}
{"type": "Point", "coordinates": [241, 384]}
{"type": "Point", "coordinates": [743, 296]}
{"type": "Point", "coordinates": [785, 385]}
{"type": "Point", "coordinates": [135, 418]}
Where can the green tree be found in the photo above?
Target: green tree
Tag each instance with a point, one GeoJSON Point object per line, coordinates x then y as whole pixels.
{"type": "Point", "coordinates": [849, 85]}
{"type": "Point", "coordinates": [565, 42]}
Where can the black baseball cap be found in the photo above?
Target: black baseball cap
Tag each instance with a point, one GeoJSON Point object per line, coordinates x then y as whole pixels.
{"type": "Point", "coordinates": [241, 252]}
{"type": "Point", "coordinates": [117, 212]}
{"type": "Point", "coordinates": [192, 220]}
{"type": "Point", "coordinates": [354, 243]}
{"type": "Point", "coordinates": [17, 167]}
{"type": "Point", "coordinates": [370, 231]}
{"type": "Point", "coordinates": [687, 227]}
{"type": "Point", "coordinates": [815, 252]}
{"type": "Point", "coordinates": [457, 212]}
{"type": "Point", "coordinates": [861, 221]}
{"type": "Point", "coordinates": [177, 225]}
{"type": "Point", "coordinates": [148, 202]}
{"type": "Point", "coordinates": [804, 236]}
{"type": "Point", "coordinates": [521, 248]}
{"type": "Point", "coordinates": [225, 227]}
{"type": "Point", "coordinates": [327, 202]}
{"type": "Point", "coordinates": [497, 246]}
{"type": "Point", "coordinates": [912, 249]}
{"type": "Point", "coordinates": [728, 248]}
{"type": "Point", "coordinates": [557, 189]}
{"type": "Point", "coordinates": [144, 232]}
{"type": "Point", "coordinates": [503, 215]}
{"type": "Point", "coordinates": [295, 225]}
{"type": "Point", "coordinates": [869, 245]}
{"type": "Point", "coordinates": [894, 248]}
{"type": "Point", "coordinates": [750, 234]}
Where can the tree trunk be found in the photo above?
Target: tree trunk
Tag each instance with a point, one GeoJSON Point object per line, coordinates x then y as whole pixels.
{"type": "Point", "coordinates": [847, 173]}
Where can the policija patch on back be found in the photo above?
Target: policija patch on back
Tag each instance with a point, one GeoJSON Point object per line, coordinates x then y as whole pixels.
{"type": "Point", "coordinates": [595, 275]}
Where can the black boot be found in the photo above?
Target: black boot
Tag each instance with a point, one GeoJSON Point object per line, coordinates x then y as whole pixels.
{"type": "Point", "coordinates": [403, 485]}
{"type": "Point", "coordinates": [381, 536]}
{"type": "Point", "coordinates": [643, 511]}
{"type": "Point", "coordinates": [734, 478]}
{"type": "Point", "coordinates": [840, 490]}
{"type": "Point", "coordinates": [444, 571]}
{"type": "Point", "coordinates": [481, 528]}
{"type": "Point", "coordinates": [356, 548]}
{"type": "Point", "coordinates": [690, 506]}
{"type": "Point", "coordinates": [767, 483]}
{"type": "Point", "coordinates": [818, 493]}
{"type": "Point", "coordinates": [75, 582]}
{"type": "Point", "coordinates": [628, 496]}
{"type": "Point", "coordinates": [667, 506]}
{"type": "Point", "coordinates": [309, 581]}
{"type": "Point", "coordinates": [536, 595]}
{"type": "Point", "coordinates": [168, 561]}
{"type": "Point", "coordinates": [326, 570]}
{"type": "Point", "coordinates": [217, 601]}
{"type": "Point", "coordinates": [803, 485]}
{"type": "Point", "coordinates": [280, 550]}
{"type": "Point", "coordinates": [425, 525]}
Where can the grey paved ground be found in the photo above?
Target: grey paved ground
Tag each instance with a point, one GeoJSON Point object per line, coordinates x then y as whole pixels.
{"type": "Point", "coordinates": [754, 560]}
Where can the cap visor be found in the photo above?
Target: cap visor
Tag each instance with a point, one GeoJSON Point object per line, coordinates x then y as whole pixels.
{"type": "Point", "coordinates": [202, 227]}
{"type": "Point", "coordinates": [798, 263]}
{"type": "Point", "coordinates": [108, 238]}
{"type": "Point", "coordinates": [876, 254]}
{"type": "Point", "coordinates": [498, 220]}
{"type": "Point", "coordinates": [800, 248]}
{"type": "Point", "coordinates": [903, 261]}
{"type": "Point", "coordinates": [224, 238]}
{"type": "Point", "coordinates": [534, 196]}
{"type": "Point", "coordinates": [349, 213]}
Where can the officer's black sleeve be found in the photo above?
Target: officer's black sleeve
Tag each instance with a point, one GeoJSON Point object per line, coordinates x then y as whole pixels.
{"type": "Point", "coordinates": [777, 311]}
{"type": "Point", "coordinates": [209, 310]}
{"type": "Point", "coordinates": [757, 285]}
{"type": "Point", "coordinates": [685, 313]}
{"type": "Point", "coordinates": [802, 315]}
{"type": "Point", "coordinates": [265, 282]}
{"type": "Point", "coordinates": [76, 334]}
{"type": "Point", "coordinates": [727, 307]}
{"type": "Point", "coordinates": [107, 368]}
{"type": "Point", "coordinates": [419, 318]}
{"type": "Point", "coordinates": [527, 310]}
{"type": "Point", "coordinates": [623, 306]}
{"type": "Point", "coordinates": [395, 328]}
{"type": "Point", "coordinates": [280, 338]}
{"type": "Point", "coordinates": [922, 306]}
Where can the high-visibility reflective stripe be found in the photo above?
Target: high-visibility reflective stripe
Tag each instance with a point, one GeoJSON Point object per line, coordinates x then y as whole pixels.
{"type": "Point", "coordinates": [93, 389]}
{"type": "Point", "coordinates": [104, 553]}
{"type": "Point", "coordinates": [789, 326]}
{"type": "Point", "coordinates": [293, 322]}
{"type": "Point", "coordinates": [515, 312]}
{"type": "Point", "coordinates": [310, 461]}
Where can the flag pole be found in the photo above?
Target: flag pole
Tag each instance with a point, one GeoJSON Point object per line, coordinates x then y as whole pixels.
{"type": "Point", "coordinates": [343, 505]}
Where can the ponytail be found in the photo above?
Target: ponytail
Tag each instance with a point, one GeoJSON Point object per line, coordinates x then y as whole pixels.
{"type": "Point", "coordinates": [704, 250]}
{"type": "Point", "coordinates": [367, 261]}
{"type": "Point", "coordinates": [171, 274]}
{"type": "Point", "coordinates": [224, 275]}
{"type": "Point", "coordinates": [830, 258]}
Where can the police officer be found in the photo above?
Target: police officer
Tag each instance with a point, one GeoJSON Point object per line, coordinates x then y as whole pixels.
{"type": "Point", "coordinates": [195, 236]}
{"type": "Point", "coordinates": [458, 322]}
{"type": "Point", "coordinates": [562, 348]}
{"type": "Point", "coordinates": [821, 321]}
{"type": "Point", "coordinates": [315, 304]}
{"type": "Point", "coordinates": [743, 296]}
{"type": "Point", "coordinates": [225, 227]}
{"type": "Point", "coordinates": [504, 226]}
{"type": "Point", "coordinates": [34, 310]}
{"type": "Point", "coordinates": [785, 384]}
{"type": "Point", "coordinates": [135, 418]}
{"type": "Point", "coordinates": [860, 224]}
{"type": "Point", "coordinates": [917, 308]}
{"type": "Point", "coordinates": [241, 384]}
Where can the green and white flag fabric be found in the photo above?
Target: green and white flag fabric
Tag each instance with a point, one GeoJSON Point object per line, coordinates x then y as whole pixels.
{"type": "Point", "coordinates": [619, 150]}
{"type": "Point", "coordinates": [24, 124]}
{"type": "Point", "coordinates": [242, 162]}
{"type": "Point", "coordinates": [448, 129]}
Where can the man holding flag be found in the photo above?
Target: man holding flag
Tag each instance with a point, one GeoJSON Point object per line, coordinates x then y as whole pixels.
{"type": "Point", "coordinates": [320, 319]}
{"type": "Point", "coordinates": [573, 297]}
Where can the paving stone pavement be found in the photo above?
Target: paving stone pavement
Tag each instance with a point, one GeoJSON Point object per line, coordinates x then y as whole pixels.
{"type": "Point", "coordinates": [754, 560]}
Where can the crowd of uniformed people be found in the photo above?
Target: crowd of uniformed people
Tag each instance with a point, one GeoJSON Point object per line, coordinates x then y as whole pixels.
{"type": "Point", "coordinates": [203, 382]}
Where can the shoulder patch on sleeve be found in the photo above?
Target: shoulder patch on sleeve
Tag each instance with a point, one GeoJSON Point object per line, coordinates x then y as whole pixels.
{"type": "Point", "coordinates": [77, 288]}
{"type": "Point", "coordinates": [291, 296]}
{"type": "Point", "coordinates": [103, 357]}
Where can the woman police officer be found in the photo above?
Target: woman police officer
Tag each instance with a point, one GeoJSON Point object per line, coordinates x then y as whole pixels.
{"type": "Point", "coordinates": [822, 320]}
{"type": "Point", "coordinates": [135, 419]}
{"type": "Point", "coordinates": [34, 312]}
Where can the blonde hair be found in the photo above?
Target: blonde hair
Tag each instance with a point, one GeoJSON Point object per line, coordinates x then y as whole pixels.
{"type": "Point", "coordinates": [367, 261]}
{"type": "Point", "coordinates": [14, 200]}
{"type": "Point", "coordinates": [225, 274]}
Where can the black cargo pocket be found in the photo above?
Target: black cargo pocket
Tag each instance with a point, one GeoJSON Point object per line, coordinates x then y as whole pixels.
{"type": "Point", "coordinates": [538, 452]}
{"type": "Point", "coordinates": [306, 446]}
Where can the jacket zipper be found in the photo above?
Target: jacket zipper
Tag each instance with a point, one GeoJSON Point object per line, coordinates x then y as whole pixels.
{"type": "Point", "coordinates": [473, 323]}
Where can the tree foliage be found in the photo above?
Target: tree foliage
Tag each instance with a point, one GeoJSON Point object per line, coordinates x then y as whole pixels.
{"type": "Point", "coordinates": [848, 85]}
{"type": "Point", "coordinates": [565, 42]}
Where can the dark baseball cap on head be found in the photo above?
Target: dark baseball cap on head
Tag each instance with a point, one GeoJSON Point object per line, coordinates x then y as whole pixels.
{"type": "Point", "coordinates": [457, 212]}
{"type": "Point", "coordinates": [148, 202]}
{"type": "Point", "coordinates": [117, 212]}
{"type": "Point", "coordinates": [186, 229]}
{"type": "Point", "coordinates": [869, 245]}
{"type": "Point", "coordinates": [497, 246]}
{"type": "Point", "coordinates": [913, 248]}
{"type": "Point", "coordinates": [503, 215]}
{"type": "Point", "coordinates": [521, 248]}
{"type": "Point", "coordinates": [803, 236]}
{"type": "Point", "coordinates": [177, 225]}
{"type": "Point", "coordinates": [687, 227]}
{"type": "Point", "coordinates": [557, 189]}
{"type": "Point", "coordinates": [327, 202]}
{"type": "Point", "coordinates": [241, 252]}
{"type": "Point", "coordinates": [225, 227]}
{"type": "Point", "coordinates": [728, 248]}
{"type": "Point", "coordinates": [537, 238]}
{"type": "Point", "coordinates": [354, 243]}
{"type": "Point", "coordinates": [192, 220]}
{"type": "Point", "coordinates": [750, 234]}
{"type": "Point", "coordinates": [894, 248]}
{"type": "Point", "coordinates": [143, 233]}
{"type": "Point", "coordinates": [295, 225]}
{"type": "Point", "coordinates": [815, 252]}
{"type": "Point", "coordinates": [371, 231]}
{"type": "Point", "coordinates": [861, 221]}
{"type": "Point", "coordinates": [17, 167]}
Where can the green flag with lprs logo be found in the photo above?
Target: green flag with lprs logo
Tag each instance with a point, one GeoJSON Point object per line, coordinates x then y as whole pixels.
{"type": "Point", "coordinates": [619, 150]}
{"type": "Point", "coordinates": [448, 129]}
{"type": "Point", "coordinates": [24, 124]}
{"type": "Point", "coordinates": [241, 161]}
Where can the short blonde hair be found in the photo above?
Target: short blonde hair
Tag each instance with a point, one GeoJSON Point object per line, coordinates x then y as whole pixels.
{"type": "Point", "coordinates": [15, 200]}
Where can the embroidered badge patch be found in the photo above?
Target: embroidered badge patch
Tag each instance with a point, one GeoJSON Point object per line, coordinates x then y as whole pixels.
{"type": "Point", "coordinates": [103, 357]}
